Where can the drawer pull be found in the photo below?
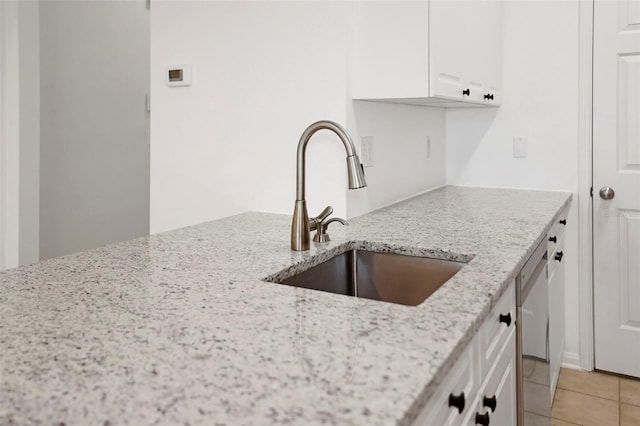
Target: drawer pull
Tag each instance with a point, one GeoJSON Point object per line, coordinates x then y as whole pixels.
{"type": "Point", "coordinates": [482, 419]}
{"type": "Point", "coordinates": [466, 92]}
{"type": "Point", "coordinates": [506, 319]}
{"type": "Point", "coordinates": [563, 222]}
{"type": "Point", "coordinates": [553, 239]}
{"type": "Point", "coordinates": [558, 256]}
{"type": "Point", "coordinates": [457, 401]}
{"type": "Point", "coordinates": [489, 96]}
{"type": "Point", "coordinates": [490, 403]}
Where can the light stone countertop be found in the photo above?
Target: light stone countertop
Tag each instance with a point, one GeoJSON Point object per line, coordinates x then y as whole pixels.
{"type": "Point", "coordinates": [180, 328]}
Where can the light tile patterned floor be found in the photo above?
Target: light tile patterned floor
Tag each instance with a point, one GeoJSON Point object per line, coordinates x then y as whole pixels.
{"type": "Point", "coordinates": [596, 399]}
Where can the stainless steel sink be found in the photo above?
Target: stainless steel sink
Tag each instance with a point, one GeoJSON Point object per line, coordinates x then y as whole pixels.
{"type": "Point", "coordinates": [395, 278]}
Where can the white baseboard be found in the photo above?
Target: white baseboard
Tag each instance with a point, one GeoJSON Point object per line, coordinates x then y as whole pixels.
{"type": "Point", "coordinates": [571, 360]}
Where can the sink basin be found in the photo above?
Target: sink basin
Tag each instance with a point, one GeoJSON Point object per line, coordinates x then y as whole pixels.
{"type": "Point", "coordinates": [395, 278]}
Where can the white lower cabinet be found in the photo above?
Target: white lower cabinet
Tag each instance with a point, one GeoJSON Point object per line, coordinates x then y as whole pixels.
{"type": "Point", "coordinates": [555, 271]}
{"type": "Point", "coordinates": [481, 386]}
{"type": "Point", "coordinates": [452, 400]}
{"type": "Point", "coordinates": [496, 402]}
{"type": "Point", "coordinates": [556, 325]}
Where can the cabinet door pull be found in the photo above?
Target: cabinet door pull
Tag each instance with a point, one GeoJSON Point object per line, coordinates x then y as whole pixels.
{"type": "Point", "coordinates": [482, 419]}
{"type": "Point", "coordinates": [558, 256]}
{"type": "Point", "coordinates": [466, 92]}
{"type": "Point", "coordinates": [505, 318]}
{"type": "Point", "coordinates": [553, 239]}
{"type": "Point", "coordinates": [563, 222]}
{"type": "Point", "coordinates": [457, 401]}
{"type": "Point", "coordinates": [489, 96]}
{"type": "Point", "coordinates": [490, 403]}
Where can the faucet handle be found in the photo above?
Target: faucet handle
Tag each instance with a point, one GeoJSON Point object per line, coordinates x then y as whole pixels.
{"type": "Point", "coordinates": [322, 236]}
{"type": "Point", "coordinates": [315, 221]}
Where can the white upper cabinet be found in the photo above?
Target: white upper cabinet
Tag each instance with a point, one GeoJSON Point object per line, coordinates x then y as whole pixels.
{"type": "Point", "coordinates": [438, 52]}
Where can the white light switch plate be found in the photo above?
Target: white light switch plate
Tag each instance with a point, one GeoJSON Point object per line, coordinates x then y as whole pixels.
{"type": "Point", "coordinates": [520, 147]}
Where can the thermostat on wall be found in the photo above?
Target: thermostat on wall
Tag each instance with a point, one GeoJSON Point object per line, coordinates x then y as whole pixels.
{"type": "Point", "coordinates": [179, 75]}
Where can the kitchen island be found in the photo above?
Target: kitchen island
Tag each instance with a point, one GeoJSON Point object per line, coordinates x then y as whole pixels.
{"type": "Point", "coordinates": [181, 328]}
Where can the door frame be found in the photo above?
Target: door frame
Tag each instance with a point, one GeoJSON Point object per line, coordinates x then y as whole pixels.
{"type": "Point", "coordinates": [9, 135]}
{"type": "Point", "coordinates": [585, 181]}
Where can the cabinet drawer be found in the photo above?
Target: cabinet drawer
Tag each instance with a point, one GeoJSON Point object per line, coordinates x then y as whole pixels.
{"type": "Point", "coordinates": [461, 383]}
{"type": "Point", "coordinates": [555, 242]}
{"type": "Point", "coordinates": [495, 330]}
{"type": "Point", "coordinates": [555, 236]}
{"type": "Point", "coordinates": [497, 396]}
{"type": "Point", "coordinates": [556, 257]}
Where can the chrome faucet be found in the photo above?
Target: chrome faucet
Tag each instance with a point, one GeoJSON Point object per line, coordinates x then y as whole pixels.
{"type": "Point", "coordinates": [301, 225]}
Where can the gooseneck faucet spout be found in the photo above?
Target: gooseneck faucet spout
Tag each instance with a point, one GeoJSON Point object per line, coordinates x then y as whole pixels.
{"type": "Point", "coordinates": [301, 226]}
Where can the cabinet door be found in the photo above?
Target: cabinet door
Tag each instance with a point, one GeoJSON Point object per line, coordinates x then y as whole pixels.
{"type": "Point", "coordinates": [390, 53]}
{"type": "Point", "coordinates": [556, 322]}
{"type": "Point", "coordinates": [499, 386]}
{"type": "Point", "coordinates": [489, 65]}
{"type": "Point", "coordinates": [505, 389]}
{"type": "Point", "coordinates": [460, 383]}
{"type": "Point", "coordinates": [495, 330]}
{"type": "Point", "coordinates": [465, 49]}
{"type": "Point", "coordinates": [450, 26]}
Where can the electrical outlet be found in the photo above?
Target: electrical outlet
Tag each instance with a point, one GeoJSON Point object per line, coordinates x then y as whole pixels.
{"type": "Point", "coordinates": [366, 146]}
{"type": "Point", "coordinates": [519, 147]}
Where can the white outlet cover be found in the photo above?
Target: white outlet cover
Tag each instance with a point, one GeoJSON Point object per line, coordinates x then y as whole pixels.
{"type": "Point", "coordinates": [520, 147]}
{"type": "Point", "coordinates": [366, 156]}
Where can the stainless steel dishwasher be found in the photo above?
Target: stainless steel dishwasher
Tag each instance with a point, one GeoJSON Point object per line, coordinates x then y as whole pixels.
{"type": "Point", "coordinates": [532, 340]}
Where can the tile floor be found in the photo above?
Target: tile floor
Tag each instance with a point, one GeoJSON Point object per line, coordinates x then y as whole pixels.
{"type": "Point", "coordinates": [595, 399]}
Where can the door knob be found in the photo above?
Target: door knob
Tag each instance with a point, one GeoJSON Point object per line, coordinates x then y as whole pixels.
{"type": "Point", "coordinates": [607, 193]}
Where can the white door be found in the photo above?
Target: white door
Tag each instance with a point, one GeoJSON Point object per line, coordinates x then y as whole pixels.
{"type": "Point", "coordinates": [94, 152]}
{"type": "Point", "coordinates": [616, 164]}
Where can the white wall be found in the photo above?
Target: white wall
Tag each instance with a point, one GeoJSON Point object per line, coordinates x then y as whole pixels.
{"type": "Point", "coordinates": [29, 45]}
{"type": "Point", "coordinates": [540, 102]}
{"type": "Point", "coordinates": [401, 166]}
{"type": "Point", "coordinates": [262, 72]}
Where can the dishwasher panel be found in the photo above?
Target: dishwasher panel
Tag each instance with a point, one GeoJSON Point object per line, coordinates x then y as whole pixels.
{"type": "Point", "coordinates": [532, 341]}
